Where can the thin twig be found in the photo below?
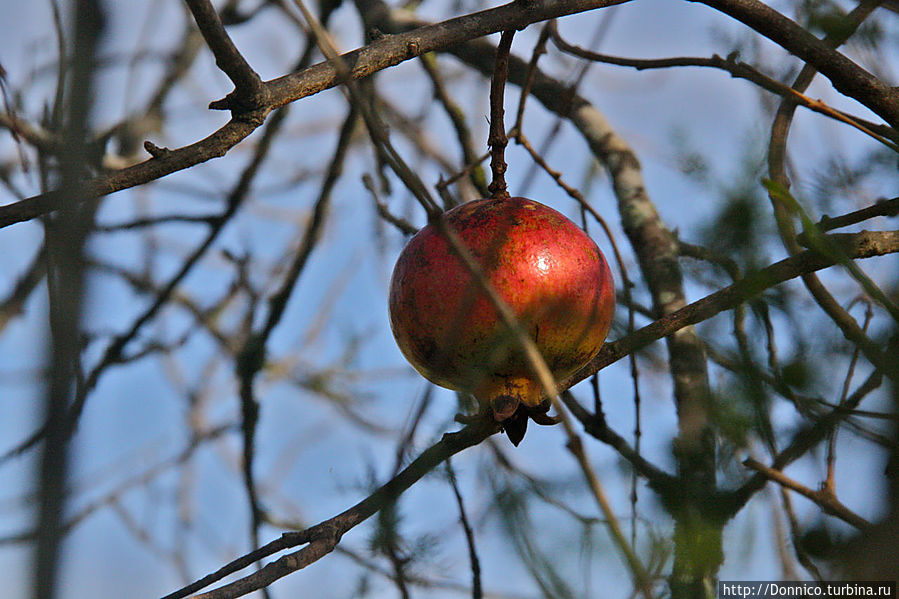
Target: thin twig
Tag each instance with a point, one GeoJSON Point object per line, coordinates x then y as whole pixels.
{"type": "Point", "coordinates": [466, 171]}
{"type": "Point", "coordinates": [846, 76]}
{"type": "Point", "coordinates": [882, 207]}
{"type": "Point", "coordinates": [830, 478]}
{"type": "Point", "coordinates": [139, 223]}
{"type": "Point", "coordinates": [802, 441]}
{"type": "Point", "coordinates": [497, 139]}
{"type": "Point", "coordinates": [641, 577]}
{"type": "Point", "coordinates": [404, 226]}
{"type": "Point", "coordinates": [14, 304]}
{"type": "Point", "coordinates": [538, 51]}
{"type": "Point", "coordinates": [796, 534]}
{"type": "Point", "coordinates": [603, 26]}
{"type": "Point", "coordinates": [476, 592]}
{"type": "Point", "coordinates": [457, 117]}
{"type": "Point", "coordinates": [596, 426]}
{"type": "Point", "coordinates": [740, 70]}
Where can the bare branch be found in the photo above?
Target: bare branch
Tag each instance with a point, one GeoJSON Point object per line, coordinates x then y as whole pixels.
{"type": "Point", "coordinates": [848, 77]}
{"type": "Point", "coordinates": [823, 497]}
{"type": "Point", "coordinates": [323, 537]}
{"type": "Point", "coordinates": [457, 117]}
{"type": "Point", "coordinates": [882, 207]}
{"type": "Point", "coordinates": [381, 54]}
{"type": "Point", "coordinates": [595, 425]}
{"type": "Point", "coordinates": [476, 592]}
{"type": "Point", "coordinates": [865, 244]}
{"type": "Point", "coordinates": [740, 70]}
{"type": "Point", "coordinates": [250, 91]}
{"type": "Point", "coordinates": [497, 139]}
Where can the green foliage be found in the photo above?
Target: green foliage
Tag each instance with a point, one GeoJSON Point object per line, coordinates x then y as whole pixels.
{"type": "Point", "coordinates": [733, 416]}
{"type": "Point", "coordinates": [735, 227]}
{"type": "Point", "coordinates": [797, 373]}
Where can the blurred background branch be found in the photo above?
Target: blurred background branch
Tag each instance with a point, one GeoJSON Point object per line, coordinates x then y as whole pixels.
{"type": "Point", "coordinates": [203, 361]}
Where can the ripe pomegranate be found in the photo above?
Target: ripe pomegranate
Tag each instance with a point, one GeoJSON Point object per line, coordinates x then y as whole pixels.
{"type": "Point", "coordinates": [549, 272]}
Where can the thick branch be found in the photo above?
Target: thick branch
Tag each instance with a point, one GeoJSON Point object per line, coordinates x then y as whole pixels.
{"type": "Point", "coordinates": [66, 238]}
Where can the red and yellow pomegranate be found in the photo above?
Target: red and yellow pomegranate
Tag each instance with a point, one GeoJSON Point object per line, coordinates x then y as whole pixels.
{"type": "Point", "coordinates": [549, 272]}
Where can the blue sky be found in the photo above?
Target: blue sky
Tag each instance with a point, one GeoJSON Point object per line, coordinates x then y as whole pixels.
{"type": "Point", "coordinates": [312, 463]}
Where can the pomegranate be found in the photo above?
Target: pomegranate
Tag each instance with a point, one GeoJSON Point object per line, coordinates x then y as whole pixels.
{"type": "Point", "coordinates": [549, 272]}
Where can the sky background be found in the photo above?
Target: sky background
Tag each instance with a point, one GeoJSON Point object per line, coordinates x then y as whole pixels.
{"type": "Point", "coordinates": [312, 463]}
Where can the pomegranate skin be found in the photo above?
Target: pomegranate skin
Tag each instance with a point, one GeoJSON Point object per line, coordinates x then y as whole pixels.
{"type": "Point", "coordinates": [550, 273]}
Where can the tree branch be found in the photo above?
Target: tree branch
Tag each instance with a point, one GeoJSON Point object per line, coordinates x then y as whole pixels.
{"type": "Point", "coordinates": [323, 537]}
{"type": "Point", "coordinates": [865, 244]}
{"type": "Point", "coordinates": [824, 498]}
{"type": "Point", "coordinates": [739, 70]}
{"type": "Point", "coordinates": [381, 54]}
{"type": "Point", "coordinates": [250, 91]}
{"type": "Point", "coordinates": [845, 75]}
{"type": "Point", "coordinates": [596, 426]}
{"type": "Point", "coordinates": [882, 207]}
{"type": "Point", "coordinates": [498, 139]}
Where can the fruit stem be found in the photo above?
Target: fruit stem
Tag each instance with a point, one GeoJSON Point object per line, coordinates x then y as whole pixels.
{"type": "Point", "coordinates": [497, 139]}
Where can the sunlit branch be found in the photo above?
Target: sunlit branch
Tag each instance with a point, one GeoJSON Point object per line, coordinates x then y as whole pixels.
{"type": "Point", "coordinates": [380, 54]}
{"type": "Point", "coordinates": [823, 497]}
{"type": "Point", "coordinates": [865, 244]}
{"type": "Point", "coordinates": [323, 537]}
